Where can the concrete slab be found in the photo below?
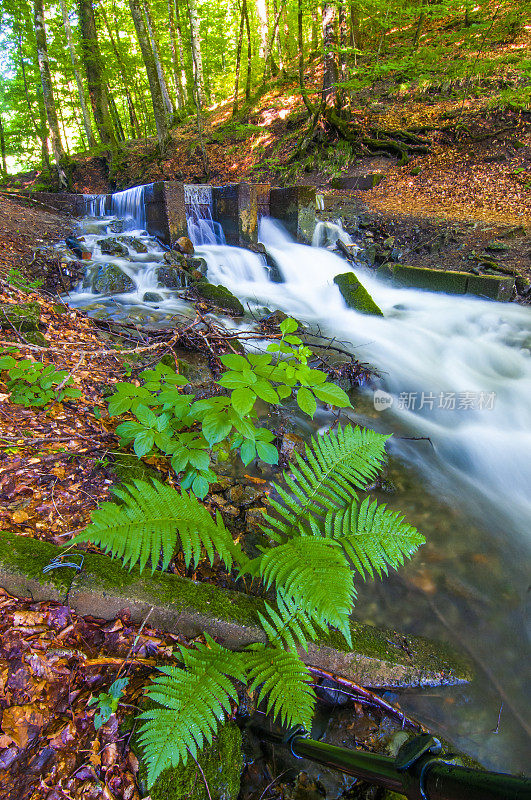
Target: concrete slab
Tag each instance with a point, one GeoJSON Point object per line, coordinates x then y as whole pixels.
{"type": "Point", "coordinates": [103, 588]}
{"type": "Point", "coordinates": [437, 280]}
{"type": "Point", "coordinates": [295, 208]}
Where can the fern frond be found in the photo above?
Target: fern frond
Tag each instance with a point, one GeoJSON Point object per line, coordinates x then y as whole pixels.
{"type": "Point", "coordinates": [284, 681]}
{"type": "Point", "coordinates": [195, 699]}
{"type": "Point", "coordinates": [373, 537]}
{"type": "Point", "coordinates": [288, 624]}
{"type": "Point", "coordinates": [315, 574]}
{"type": "Point", "coordinates": [338, 463]}
{"type": "Point", "coordinates": [148, 523]}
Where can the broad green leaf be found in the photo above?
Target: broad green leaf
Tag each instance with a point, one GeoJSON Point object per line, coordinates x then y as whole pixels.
{"type": "Point", "coordinates": [306, 401]}
{"type": "Point", "coordinates": [289, 325]}
{"type": "Point", "coordinates": [333, 394]}
{"type": "Point", "coordinates": [200, 487]}
{"type": "Point", "coordinates": [233, 380]}
{"type": "Point", "coordinates": [146, 416]}
{"type": "Point", "coordinates": [144, 442]}
{"type": "Point", "coordinates": [199, 459]}
{"type": "Point", "coordinates": [266, 392]}
{"type": "Point", "coordinates": [119, 403]}
{"type": "Point", "coordinates": [242, 401]}
{"type": "Point", "coordinates": [267, 452]}
{"type": "Point", "coordinates": [128, 430]}
{"type": "Point", "coordinates": [234, 361]}
{"type": "Point", "coordinates": [248, 451]}
{"type": "Point", "coordinates": [216, 427]}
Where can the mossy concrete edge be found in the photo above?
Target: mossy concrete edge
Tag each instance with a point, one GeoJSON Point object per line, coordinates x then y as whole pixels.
{"type": "Point", "coordinates": [103, 588]}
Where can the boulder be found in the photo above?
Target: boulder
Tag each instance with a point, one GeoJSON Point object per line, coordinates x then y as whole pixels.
{"type": "Point", "coordinates": [112, 247]}
{"type": "Point", "coordinates": [152, 297]}
{"type": "Point", "coordinates": [356, 295]}
{"type": "Point", "coordinates": [184, 245]}
{"type": "Point", "coordinates": [172, 277]}
{"type": "Point", "coordinates": [175, 259]}
{"type": "Point", "coordinates": [78, 248]}
{"type": "Point", "coordinates": [132, 242]}
{"type": "Point", "coordinates": [110, 279]}
{"type": "Point", "coordinates": [219, 296]}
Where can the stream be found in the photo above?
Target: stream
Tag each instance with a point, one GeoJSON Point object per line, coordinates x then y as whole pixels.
{"type": "Point", "coordinates": [454, 387]}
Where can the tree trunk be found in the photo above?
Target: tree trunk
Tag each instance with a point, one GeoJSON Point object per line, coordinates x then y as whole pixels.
{"type": "Point", "coordinates": [238, 63]}
{"type": "Point", "coordinates": [175, 60]}
{"type": "Point", "coordinates": [75, 65]}
{"type": "Point", "coordinates": [40, 131]}
{"type": "Point", "coordinates": [3, 148]}
{"type": "Point", "coordinates": [315, 31]}
{"type": "Point", "coordinates": [354, 30]}
{"type": "Point", "coordinates": [95, 75]}
{"type": "Point", "coordinates": [168, 105]}
{"type": "Point", "coordinates": [245, 11]}
{"type": "Point", "coordinates": [331, 71]}
{"type": "Point", "coordinates": [263, 26]}
{"type": "Point", "coordinates": [269, 47]}
{"type": "Point", "coordinates": [159, 110]}
{"type": "Point", "coordinates": [133, 118]}
{"type": "Point", "coordinates": [120, 135]}
{"type": "Point", "coordinates": [186, 83]}
{"type": "Point", "coordinates": [47, 92]}
{"type": "Point", "coordinates": [195, 38]}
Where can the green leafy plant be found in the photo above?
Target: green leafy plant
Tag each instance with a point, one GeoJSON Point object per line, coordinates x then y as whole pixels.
{"type": "Point", "coordinates": [107, 702]}
{"type": "Point", "coordinates": [322, 535]}
{"type": "Point", "coordinates": [19, 281]}
{"type": "Point", "coordinates": [32, 383]}
{"type": "Point", "coordinates": [189, 431]}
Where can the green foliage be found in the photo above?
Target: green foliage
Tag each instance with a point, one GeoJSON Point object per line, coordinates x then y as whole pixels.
{"type": "Point", "coordinates": [188, 431]}
{"type": "Point", "coordinates": [321, 537]}
{"type": "Point", "coordinates": [19, 281]}
{"type": "Point", "coordinates": [107, 702]}
{"type": "Point", "coordinates": [150, 521]}
{"type": "Point", "coordinates": [32, 383]}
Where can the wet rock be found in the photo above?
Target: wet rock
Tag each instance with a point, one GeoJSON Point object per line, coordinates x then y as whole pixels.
{"type": "Point", "coordinates": [133, 243]}
{"type": "Point", "coordinates": [254, 518]}
{"type": "Point", "coordinates": [368, 254]}
{"type": "Point", "coordinates": [78, 248]}
{"type": "Point", "coordinates": [495, 246]}
{"type": "Point", "coordinates": [110, 279]}
{"type": "Point", "coordinates": [522, 284]}
{"type": "Point", "coordinates": [356, 295]}
{"type": "Point", "coordinates": [184, 245]}
{"type": "Point", "coordinates": [175, 259]}
{"type": "Point", "coordinates": [232, 511]}
{"type": "Point", "coordinates": [291, 443]}
{"type": "Point", "coordinates": [172, 277]}
{"type": "Point", "coordinates": [152, 297]}
{"type": "Point", "coordinates": [220, 297]}
{"type": "Point", "coordinates": [111, 246]}
{"type": "Point", "coordinates": [116, 227]}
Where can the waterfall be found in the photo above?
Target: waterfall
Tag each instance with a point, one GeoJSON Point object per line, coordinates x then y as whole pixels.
{"type": "Point", "coordinates": [95, 204]}
{"type": "Point", "coordinates": [129, 205]}
{"type": "Point", "coordinates": [201, 227]}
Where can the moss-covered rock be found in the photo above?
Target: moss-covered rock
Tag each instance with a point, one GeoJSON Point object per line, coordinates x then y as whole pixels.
{"type": "Point", "coordinates": [133, 243]}
{"type": "Point", "coordinates": [127, 468]}
{"type": "Point", "coordinates": [172, 277]}
{"type": "Point", "coordinates": [219, 296]}
{"type": "Point", "coordinates": [112, 247]}
{"type": "Point", "coordinates": [110, 279]}
{"type": "Point", "coordinates": [356, 295]}
{"type": "Point", "coordinates": [221, 764]}
{"type": "Point", "coordinates": [23, 317]}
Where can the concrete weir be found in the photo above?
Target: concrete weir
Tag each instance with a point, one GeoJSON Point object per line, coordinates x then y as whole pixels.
{"type": "Point", "coordinates": [238, 207]}
{"type": "Point", "coordinates": [103, 588]}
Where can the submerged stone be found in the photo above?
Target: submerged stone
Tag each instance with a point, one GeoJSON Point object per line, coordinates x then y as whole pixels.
{"type": "Point", "coordinates": [110, 279]}
{"type": "Point", "coordinates": [172, 277]}
{"type": "Point", "coordinates": [134, 243]}
{"type": "Point", "coordinates": [356, 295]}
{"type": "Point", "coordinates": [112, 247]}
{"type": "Point", "coordinates": [152, 297]}
{"type": "Point", "coordinates": [219, 296]}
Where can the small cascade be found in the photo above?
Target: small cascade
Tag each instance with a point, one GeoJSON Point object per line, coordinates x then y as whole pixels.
{"type": "Point", "coordinates": [201, 227]}
{"type": "Point", "coordinates": [129, 205]}
{"type": "Point", "coordinates": [95, 204]}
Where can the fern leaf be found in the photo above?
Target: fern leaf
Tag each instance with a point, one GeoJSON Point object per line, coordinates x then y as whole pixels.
{"type": "Point", "coordinates": [337, 464]}
{"type": "Point", "coordinates": [288, 624]}
{"type": "Point", "coordinates": [284, 682]}
{"type": "Point", "coordinates": [314, 572]}
{"type": "Point", "coordinates": [195, 699]}
{"type": "Point", "coordinates": [149, 523]}
{"type": "Point", "coordinates": [373, 537]}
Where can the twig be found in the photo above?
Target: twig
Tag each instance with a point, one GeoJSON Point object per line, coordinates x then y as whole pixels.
{"type": "Point", "coordinates": [269, 785]}
{"type": "Point", "coordinates": [368, 695]}
{"type": "Point", "coordinates": [202, 775]}
{"type": "Point", "coordinates": [67, 377]}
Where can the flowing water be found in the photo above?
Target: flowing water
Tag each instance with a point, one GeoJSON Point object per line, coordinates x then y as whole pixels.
{"type": "Point", "coordinates": [455, 387]}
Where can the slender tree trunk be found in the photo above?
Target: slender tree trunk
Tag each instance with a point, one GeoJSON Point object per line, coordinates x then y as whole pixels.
{"type": "Point", "coordinates": [238, 63]}
{"type": "Point", "coordinates": [195, 38]}
{"type": "Point", "coordinates": [63, 127]}
{"type": "Point", "coordinates": [133, 118]}
{"type": "Point", "coordinates": [3, 148]}
{"type": "Point", "coordinates": [47, 92]}
{"type": "Point", "coordinates": [120, 135]}
{"type": "Point", "coordinates": [245, 11]}
{"type": "Point", "coordinates": [176, 63]}
{"type": "Point", "coordinates": [270, 42]}
{"type": "Point", "coordinates": [186, 83]}
{"type": "Point", "coordinates": [315, 31]}
{"type": "Point", "coordinates": [40, 131]}
{"type": "Point", "coordinates": [95, 75]}
{"type": "Point", "coordinates": [354, 30]}
{"type": "Point", "coordinates": [159, 109]}
{"type": "Point", "coordinates": [263, 26]}
{"type": "Point", "coordinates": [331, 71]}
{"type": "Point", "coordinates": [87, 124]}
{"type": "Point", "coordinates": [158, 63]}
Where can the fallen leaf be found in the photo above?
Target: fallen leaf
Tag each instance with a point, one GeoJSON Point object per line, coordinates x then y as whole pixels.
{"type": "Point", "coordinates": [22, 723]}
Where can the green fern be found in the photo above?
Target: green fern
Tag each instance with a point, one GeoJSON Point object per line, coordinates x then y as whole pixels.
{"type": "Point", "coordinates": [195, 699]}
{"type": "Point", "coordinates": [148, 523]}
{"type": "Point", "coordinates": [284, 681]}
{"type": "Point", "coordinates": [337, 465]}
{"type": "Point", "coordinates": [287, 624]}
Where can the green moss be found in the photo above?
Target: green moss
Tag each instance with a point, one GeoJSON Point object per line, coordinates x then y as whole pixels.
{"type": "Point", "coordinates": [218, 296]}
{"type": "Point", "coordinates": [221, 764]}
{"type": "Point", "coordinates": [24, 559]}
{"type": "Point", "coordinates": [21, 316]}
{"type": "Point", "coordinates": [356, 295]}
{"type": "Point", "coordinates": [436, 280]}
{"type": "Point", "coordinates": [128, 468]}
{"type": "Point", "coordinates": [493, 286]}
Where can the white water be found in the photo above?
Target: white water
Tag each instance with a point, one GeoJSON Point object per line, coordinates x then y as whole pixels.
{"type": "Point", "coordinates": [202, 230]}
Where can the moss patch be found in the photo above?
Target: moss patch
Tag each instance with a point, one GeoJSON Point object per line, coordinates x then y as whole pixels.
{"type": "Point", "coordinates": [219, 296]}
{"type": "Point", "coordinates": [356, 295]}
{"type": "Point", "coordinates": [221, 764]}
{"type": "Point", "coordinates": [21, 316]}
